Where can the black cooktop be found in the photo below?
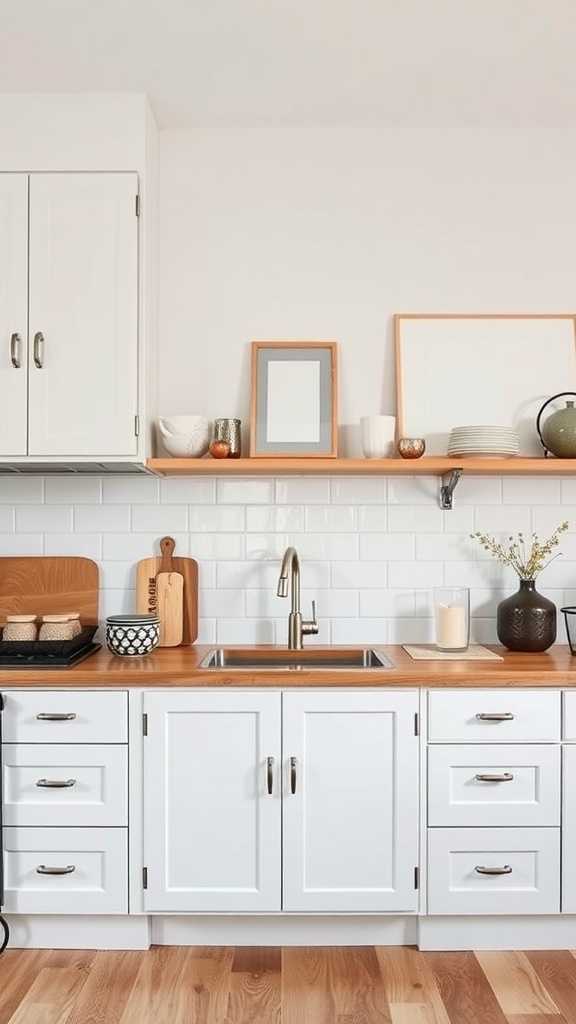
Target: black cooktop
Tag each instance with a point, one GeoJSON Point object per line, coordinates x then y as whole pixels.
{"type": "Point", "coordinates": [48, 659]}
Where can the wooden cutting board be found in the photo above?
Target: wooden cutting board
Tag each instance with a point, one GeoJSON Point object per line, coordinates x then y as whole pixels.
{"type": "Point", "coordinates": [44, 586]}
{"type": "Point", "coordinates": [146, 573]}
{"type": "Point", "coordinates": [169, 597]}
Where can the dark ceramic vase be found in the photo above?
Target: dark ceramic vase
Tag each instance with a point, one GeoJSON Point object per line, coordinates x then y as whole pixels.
{"type": "Point", "coordinates": [526, 621]}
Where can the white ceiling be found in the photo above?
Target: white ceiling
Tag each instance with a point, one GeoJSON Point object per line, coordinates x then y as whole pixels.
{"type": "Point", "coordinates": [207, 60]}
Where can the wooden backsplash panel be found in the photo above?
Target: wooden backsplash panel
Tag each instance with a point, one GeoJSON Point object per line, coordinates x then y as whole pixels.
{"type": "Point", "coordinates": [45, 586]}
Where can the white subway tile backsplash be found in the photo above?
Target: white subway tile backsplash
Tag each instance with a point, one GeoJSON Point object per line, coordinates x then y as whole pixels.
{"type": "Point", "coordinates": [504, 519]}
{"type": "Point", "coordinates": [43, 519]}
{"type": "Point", "coordinates": [334, 519]}
{"type": "Point", "coordinates": [274, 519]}
{"type": "Point", "coordinates": [217, 546]}
{"type": "Point", "coordinates": [133, 490]}
{"type": "Point", "coordinates": [85, 545]}
{"type": "Point", "coordinates": [220, 604]}
{"type": "Point", "coordinates": [360, 631]}
{"type": "Point", "coordinates": [416, 574]}
{"type": "Point", "coordinates": [303, 491]}
{"type": "Point", "coordinates": [360, 574]}
{"type": "Point", "coordinates": [101, 518]}
{"type": "Point", "coordinates": [73, 490]}
{"type": "Point", "coordinates": [216, 518]}
{"type": "Point", "coordinates": [414, 518]}
{"type": "Point", "coordinates": [386, 547]}
{"type": "Point", "coordinates": [160, 518]}
{"type": "Point", "coordinates": [527, 490]}
{"type": "Point", "coordinates": [357, 490]}
{"type": "Point", "coordinates": [371, 550]}
{"type": "Point", "coordinates": [18, 489]}
{"type": "Point", "coordinates": [373, 518]}
{"type": "Point", "coordinates": [245, 492]}
{"type": "Point", "coordinates": [13, 544]}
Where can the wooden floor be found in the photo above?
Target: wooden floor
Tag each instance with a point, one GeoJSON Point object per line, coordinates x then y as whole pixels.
{"type": "Point", "coordinates": [173, 985]}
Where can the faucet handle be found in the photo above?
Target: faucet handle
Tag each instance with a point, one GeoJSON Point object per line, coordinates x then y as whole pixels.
{"type": "Point", "coordinates": [310, 627]}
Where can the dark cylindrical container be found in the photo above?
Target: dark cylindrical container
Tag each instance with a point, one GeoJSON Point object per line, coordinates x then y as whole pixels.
{"type": "Point", "coordinates": [570, 620]}
{"type": "Point", "coordinates": [526, 621]}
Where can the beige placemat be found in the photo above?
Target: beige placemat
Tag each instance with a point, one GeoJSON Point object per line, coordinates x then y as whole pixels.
{"type": "Point", "coordinates": [474, 653]}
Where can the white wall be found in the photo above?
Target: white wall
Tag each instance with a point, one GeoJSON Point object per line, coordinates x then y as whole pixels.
{"type": "Point", "coordinates": [323, 230]}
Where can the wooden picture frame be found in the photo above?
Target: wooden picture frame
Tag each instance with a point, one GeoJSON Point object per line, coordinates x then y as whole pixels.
{"type": "Point", "coordinates": [480, 368]}
{"type": "Point", "coordinates": [294, 399]}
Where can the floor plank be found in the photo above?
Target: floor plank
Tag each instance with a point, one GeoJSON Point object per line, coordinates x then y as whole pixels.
{"type": "Point", "coordinates": [410, 982]}
{"type": "Point", "coordinates": [515, 983]}
{"type": "Point", "coordinates": [107, 989]}
{"type": "Point", "coordinates": [333, 985]}
{"type": "Point", "coordinates": [18, 968]}
{"type": "Point", "coordinates": [465, 990]}
{"type": "Point", "coordinates": [50, 997]}
{"type": "Point", "coordinates": [555, 968]}
{"type": "Point", "coordinates": [255, 987]}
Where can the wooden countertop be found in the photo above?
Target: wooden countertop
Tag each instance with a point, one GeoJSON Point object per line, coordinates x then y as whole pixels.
{"type": "Point", "coordinates": [179, 666]}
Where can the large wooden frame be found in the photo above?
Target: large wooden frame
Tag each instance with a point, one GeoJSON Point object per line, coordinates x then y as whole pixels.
{"type": "Point", "coordinates": [432, 374]}
{"type": "Point", "coordinates": [325, 448]}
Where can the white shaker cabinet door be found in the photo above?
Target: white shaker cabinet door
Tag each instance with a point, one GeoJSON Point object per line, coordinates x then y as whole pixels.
{"type": "Point", "coordinates": [212, 832]}
{"type": "Point", "coordinates": [350, 779]}
{"type": "Point", "coordinates": [13, 314]}
{"type": "Point", "coordinates": [569, 830]}
{"type": "Point", "coordinates": [83, 325]}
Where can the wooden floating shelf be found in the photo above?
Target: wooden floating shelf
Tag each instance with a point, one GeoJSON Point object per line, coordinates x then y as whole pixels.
{"type": "Point", "coordinates": [434, 465]}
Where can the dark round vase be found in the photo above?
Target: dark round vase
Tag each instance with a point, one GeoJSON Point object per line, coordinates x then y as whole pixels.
{"type": "Point", "coordinates": [526, 621]}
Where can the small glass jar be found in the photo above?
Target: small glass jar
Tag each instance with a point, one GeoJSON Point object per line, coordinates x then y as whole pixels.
{"type": "Point", "coordinates": [452, 618]}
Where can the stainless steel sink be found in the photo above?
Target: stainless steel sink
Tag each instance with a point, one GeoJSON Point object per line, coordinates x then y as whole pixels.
{"type": "Point", "coordinates": [312, 659]}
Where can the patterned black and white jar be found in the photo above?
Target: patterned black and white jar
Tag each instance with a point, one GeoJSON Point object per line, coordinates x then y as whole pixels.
{"type": "Point", "coordinates": [132, 636]}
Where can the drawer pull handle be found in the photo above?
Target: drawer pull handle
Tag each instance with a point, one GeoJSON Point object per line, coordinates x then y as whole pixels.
{"type": "Point", "coordinates": [506, 870]}
{"type": "Point", "coordinates": [43, 870]}
{"type": "Point", "coordinates": [270, 775]}
{"type": "Point", "coordinates": [55, 783]}
{"type": "Point", "coordinates": [487, 777]}
{"type": "Point", "coordinates": [54, 716]}
{"type": "Point", "coordinates": [503, 716]}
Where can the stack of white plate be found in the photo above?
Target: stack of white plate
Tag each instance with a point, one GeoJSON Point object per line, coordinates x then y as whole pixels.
{"type": "Point", "coordinates": [484, 442]}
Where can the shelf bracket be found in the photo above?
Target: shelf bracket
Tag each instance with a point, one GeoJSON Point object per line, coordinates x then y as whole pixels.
{"type": "Point", "coordinates": [449, 484]}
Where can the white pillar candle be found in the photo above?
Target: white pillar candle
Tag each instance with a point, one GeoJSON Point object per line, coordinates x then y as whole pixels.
{"type": "Point", "coordinates": [451, 632]}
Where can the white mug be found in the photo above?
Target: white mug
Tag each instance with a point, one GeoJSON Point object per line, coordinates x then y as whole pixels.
{"type": "Point", "coordinates": [378, 436]}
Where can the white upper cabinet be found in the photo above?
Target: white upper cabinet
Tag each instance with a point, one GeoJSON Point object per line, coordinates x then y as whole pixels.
{"type": "Point", "coordinates": [212, 833]}
{"type": "Point", "coordinates": [83, 315]}
{"type": "Point", "coordinates": [350, 801]}
{"type": "Point", "coordinates": [13, 314]}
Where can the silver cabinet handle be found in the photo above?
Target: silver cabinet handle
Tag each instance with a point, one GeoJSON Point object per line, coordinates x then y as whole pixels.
{"type": "Point", "coordinates": [43, 870]}
{"type": "Point", "coordinates": [270, 775]}
{"type": "Point", "coordinates": [38, 350]}
{"type": "Point", "coordinates": [15, 343]}
{"type": "Point", "coordinates": [293, 763]}
{"type": "Point", "coordinates": [506, 870]}
{"type": "Point", "coordinates": [49, 716]}
{"type": "Point", "coordinates": [55, 783]}
{"type": "Point", "coordinates": [487, 777]}
{"type": "Point", "coordinates": [503, 716]}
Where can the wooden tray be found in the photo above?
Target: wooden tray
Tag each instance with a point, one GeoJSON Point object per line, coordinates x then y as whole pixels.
{"type": "Point", "coordinates": [49, 586]}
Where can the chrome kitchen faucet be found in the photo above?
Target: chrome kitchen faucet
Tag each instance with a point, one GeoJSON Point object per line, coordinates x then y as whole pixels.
{"type": "Point", "coordinates": [298, 627]}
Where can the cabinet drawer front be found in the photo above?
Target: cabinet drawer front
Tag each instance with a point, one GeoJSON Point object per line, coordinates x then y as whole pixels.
{"type": "Point", "coordinates": [65, 716]}
{"type": "Point", "coordinates": [494, 716]}
{"type": "Point", "coordinates": [495, 785]}
{"type": "Point", "coordinates": [66, 870]}
{"type": "Point", "coordinates": [51, 784]}
{"type": "Point", "coordinates": [569, 730]}
{"type": "Point", "coordinates": [494, 871]}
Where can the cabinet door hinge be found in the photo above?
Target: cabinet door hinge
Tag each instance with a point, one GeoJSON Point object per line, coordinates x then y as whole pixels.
{"type": "Point", "coordinates": [144, 878]}
{"type": "Point", "coordinates": [144, 724]}
{"type": "Point", "coordinates": [137, 204]}
{"type": "Point", "coordinates": [416, 877]}
{"type": "Point", "coordinates": [416, 724]}
{"type": "Point", "coordinates": [137, 425]}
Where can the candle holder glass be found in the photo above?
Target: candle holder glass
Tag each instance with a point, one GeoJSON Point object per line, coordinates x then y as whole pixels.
{"type": "Point", "coordinates": [452, 618]}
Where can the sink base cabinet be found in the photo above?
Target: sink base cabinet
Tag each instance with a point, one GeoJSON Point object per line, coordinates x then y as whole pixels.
{"type": "Point", "coordinates": [238, 785]}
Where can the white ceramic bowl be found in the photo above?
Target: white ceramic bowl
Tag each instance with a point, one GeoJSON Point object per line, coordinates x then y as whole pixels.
{"type": "Point", "coordinates": [185, 437]}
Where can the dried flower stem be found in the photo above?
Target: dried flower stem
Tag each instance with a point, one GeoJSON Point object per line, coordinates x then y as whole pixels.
{"type": "Point", "coordinates": [527, 558]}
